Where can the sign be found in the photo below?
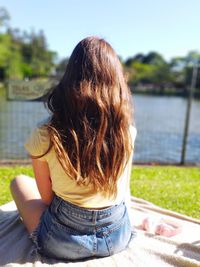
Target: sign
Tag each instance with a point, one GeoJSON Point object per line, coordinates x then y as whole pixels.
{"type": "Point", "coordinates": [28, 90]}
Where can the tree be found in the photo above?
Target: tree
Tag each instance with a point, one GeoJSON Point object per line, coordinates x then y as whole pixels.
{"type": "Point", "coordinates": [154, 58]}
{"type": "Point", "coordinates": [5, 43]}
{"type": "Point", "coordinates": [141, 73]}
{"type": "Point", "coordinates": [182, 68]}
{"type": "Point", "coordinates": [4, 17]}
{"type": "Point", "coordinates": [149, 69]}
{"type": "Point", "coordinates": [36, 54]}
{"type": "Point", "coordinates": [137, 58]}
{"type": "Point", "coordinates": [60, 68]}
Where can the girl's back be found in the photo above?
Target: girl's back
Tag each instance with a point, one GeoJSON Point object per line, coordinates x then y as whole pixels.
{"type": "Point", "coordinates": [67, 188]}
{"type": "Point", "coordinates": [82, 159]}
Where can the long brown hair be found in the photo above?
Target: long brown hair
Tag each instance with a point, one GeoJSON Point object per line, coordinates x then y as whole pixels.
{"type": "Point", "coordinates": [91, 116]}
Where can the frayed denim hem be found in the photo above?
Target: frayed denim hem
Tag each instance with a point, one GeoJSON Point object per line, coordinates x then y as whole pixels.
{"type": "Point", "coordinates": [34, 238]}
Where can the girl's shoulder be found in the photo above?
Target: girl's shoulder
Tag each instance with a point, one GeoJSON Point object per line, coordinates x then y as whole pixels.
{"type": "Point", "coordinates": [38, 142]}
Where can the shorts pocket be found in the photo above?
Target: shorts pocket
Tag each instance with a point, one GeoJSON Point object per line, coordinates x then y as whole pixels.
{"type": "Point", "coordinates": [63, 242]}
{"type": "Point", "coordinates": [118, 237]}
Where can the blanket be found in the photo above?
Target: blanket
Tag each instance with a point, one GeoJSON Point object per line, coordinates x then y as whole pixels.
{"type": "Point", "coordinates": [146, 249]}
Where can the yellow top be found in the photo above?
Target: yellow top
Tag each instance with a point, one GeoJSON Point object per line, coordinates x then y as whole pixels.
{"type": "Point", "coordinates": [66, 188]}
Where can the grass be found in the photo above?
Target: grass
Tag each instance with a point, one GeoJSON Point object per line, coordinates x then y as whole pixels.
{"type": "Point", "coordinates": [175, 188]}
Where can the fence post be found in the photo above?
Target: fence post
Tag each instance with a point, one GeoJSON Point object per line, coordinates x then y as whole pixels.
{"type": "Point", "coordinates": [188, 111]}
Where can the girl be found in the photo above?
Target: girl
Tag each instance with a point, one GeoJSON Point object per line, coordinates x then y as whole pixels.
{"type": "Point", "coordinates": [82, 160]}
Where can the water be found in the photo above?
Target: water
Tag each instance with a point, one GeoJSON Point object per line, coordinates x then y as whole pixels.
{"type": "Point", "coordinates": [159, 121]}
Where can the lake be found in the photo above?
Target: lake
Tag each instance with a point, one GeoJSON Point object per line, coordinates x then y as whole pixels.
{"type": "Point", "coordinates": [159, 121]}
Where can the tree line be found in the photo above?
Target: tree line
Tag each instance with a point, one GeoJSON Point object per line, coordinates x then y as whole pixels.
{"type": "Point", "coordinates": [25, 55]}
{"type": "Point", "coordinates": [152, 73]}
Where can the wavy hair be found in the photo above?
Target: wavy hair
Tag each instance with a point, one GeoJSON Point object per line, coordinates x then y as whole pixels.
{"type": "Point", "coordinates": [91, 115]}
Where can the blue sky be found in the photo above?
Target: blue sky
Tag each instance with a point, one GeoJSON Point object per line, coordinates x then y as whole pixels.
{"type": "Point", "coordinates": [170, 27]}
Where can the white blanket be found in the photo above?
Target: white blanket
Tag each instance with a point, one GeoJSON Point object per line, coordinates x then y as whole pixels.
{"type": "Point", "coordinates": [146, 250]}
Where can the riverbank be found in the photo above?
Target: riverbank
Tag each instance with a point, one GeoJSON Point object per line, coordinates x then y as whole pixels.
{"type": "Point", "coordinates": [27, 162]}
{"type": "Point", "coordinates": [164, 92]}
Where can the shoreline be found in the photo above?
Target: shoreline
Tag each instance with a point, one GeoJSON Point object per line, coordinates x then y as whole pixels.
{"type": "Point", "coordinates": [26, 162]}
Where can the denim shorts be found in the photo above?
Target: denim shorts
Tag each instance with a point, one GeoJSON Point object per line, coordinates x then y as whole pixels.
{"type": "Point", "coordinates": [69, 232]}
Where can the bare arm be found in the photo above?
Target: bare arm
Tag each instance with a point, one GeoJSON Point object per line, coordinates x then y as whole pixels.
{"type": "Point", "coordinates": [43, 180]}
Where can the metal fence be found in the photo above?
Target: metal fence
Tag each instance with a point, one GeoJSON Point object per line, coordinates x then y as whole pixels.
{"type": "Point", "coordinates": [160, 123]}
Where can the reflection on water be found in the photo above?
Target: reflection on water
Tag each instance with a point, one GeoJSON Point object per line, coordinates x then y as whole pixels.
{"type": "Point", "coordinates": [159, 121]}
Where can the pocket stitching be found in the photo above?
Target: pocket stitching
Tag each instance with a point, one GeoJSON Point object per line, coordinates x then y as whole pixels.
{"type": "Point", "coordinates": [80, 241]}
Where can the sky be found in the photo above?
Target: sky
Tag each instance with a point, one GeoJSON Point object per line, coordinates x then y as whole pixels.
{"type": "Point", "coordinates": [169, 27]}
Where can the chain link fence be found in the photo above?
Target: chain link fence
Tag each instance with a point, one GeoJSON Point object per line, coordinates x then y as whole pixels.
{"type": "Point", "coordinates": [159, 121]}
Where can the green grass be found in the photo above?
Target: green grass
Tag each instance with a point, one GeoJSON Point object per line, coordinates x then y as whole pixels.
{"type": "Point", "coordinates": [175, 188]}
{"type": "Point", "coordinates": [6, 175]}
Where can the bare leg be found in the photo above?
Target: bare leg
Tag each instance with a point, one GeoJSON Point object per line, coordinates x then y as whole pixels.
{"type": "Point", "coordinates": [28, 200]}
